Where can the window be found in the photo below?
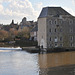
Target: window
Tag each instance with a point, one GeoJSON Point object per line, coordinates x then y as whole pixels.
{"type": "Point", "coordinates": [71, 38]}
{"type": "Point", "coordinates": [61, 45]}
{"type": "Point", "coordinates": [56, 40]}
{"type": "Point", "coordinates": [50, 22]}
{"type": "Point", "coordinates": [71, 29]}
{"type": "Point", "coordinates": [56, 45]}
{"type": "Point", "coordinates": [60, 38]}
{"type": "Point", "coordinates": [55, 22]}
{"type": "Point", "coordinates": [71, 44]}
{"type": "Point", "coordinates": [50, 38]}
{"type": "Point", "coordinates": [50, 45]}
{"type": "Point", "coordinates": [60, 30]}
{"type": "Point", "coordinates": [55, 30]}
{"type": "Point", "coordinates": [49, 30]}
{"type": "Point", "coordinates": [70, 22]}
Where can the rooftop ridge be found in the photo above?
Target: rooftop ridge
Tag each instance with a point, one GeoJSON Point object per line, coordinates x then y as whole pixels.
{"type": "Point", "coordinates": [46, 11]}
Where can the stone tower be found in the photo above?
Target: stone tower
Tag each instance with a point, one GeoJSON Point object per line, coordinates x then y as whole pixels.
{"type": "Point", "coordinates": [56, 28]}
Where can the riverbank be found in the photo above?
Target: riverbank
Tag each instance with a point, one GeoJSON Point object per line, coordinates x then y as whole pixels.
{"type": "Point", "coordinates": [31, 49]}
{"type": "Point", "coordinates": [34, 49]}
{"type": "Point", "coordinates": [6, 45]}
{"type": "Point", "coordinates": [52, 50]}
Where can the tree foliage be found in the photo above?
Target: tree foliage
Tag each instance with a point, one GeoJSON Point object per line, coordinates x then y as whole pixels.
{"type": "Point", "coordinates": [3, 34]}
{"type": "Point", "coordinates": [25, 32]}
{"type": "Point", "coordinates": [13, 33]}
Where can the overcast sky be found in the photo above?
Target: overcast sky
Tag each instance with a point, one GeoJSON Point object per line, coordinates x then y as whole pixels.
{"type": "Point", "coordinates": [17, 9]}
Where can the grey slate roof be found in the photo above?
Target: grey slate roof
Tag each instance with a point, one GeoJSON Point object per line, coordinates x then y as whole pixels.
{"type": "Point", "coordinates": [56, 11]}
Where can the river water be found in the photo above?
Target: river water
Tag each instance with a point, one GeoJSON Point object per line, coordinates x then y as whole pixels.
{"type": "Point", "coordinates": [13, 62]}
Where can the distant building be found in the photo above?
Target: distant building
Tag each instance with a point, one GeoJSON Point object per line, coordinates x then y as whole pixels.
{"type": "Point", "coordinates": [14, 25]}
{"type": "Point", "coordinates": [56, 28]}
{"type": "Point", "coordinates": [25, 22]}
{"type": "Point", "coordinates": [33, 33]}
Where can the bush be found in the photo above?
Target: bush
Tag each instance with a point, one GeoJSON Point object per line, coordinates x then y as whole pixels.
{"type": "Point", "coordinates": [25, 43]}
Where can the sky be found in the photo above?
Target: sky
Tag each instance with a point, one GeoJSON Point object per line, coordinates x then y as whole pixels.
{"type": "Point", "coordinates": [17, 9]}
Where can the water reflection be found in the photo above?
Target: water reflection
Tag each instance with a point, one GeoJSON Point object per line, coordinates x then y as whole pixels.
{"type": "Point", "coordinates": [57, 63]}
{"type": "Point", "coordinates": [18, 63]}
{"type": "Point", "coordinates": [23, 63]}
{"type": "Point", "coordinates": [56, 59]}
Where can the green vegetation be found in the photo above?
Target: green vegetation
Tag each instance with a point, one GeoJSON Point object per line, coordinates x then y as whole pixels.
{"type": "Point", "coordinates": [16, 37]}
{"type": "Point", "coordinates": [13, 34]}
{"type": "Point", "coordinates": [25, 43]}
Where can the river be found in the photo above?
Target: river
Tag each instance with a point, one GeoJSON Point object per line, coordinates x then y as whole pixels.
{"type": "Point", "coordinates": [15, 62]}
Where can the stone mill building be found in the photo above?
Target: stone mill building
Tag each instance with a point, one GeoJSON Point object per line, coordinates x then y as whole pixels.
{"type": "Point", "coordinates": [56, 28]}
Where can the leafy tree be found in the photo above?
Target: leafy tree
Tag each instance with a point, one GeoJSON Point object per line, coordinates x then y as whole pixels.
{"type": "Point", "coordinates": [25, 32]}
{"type": "Point", "coordinates": [3, 34]}
{"type": "Point", "coordinates": [13, 32]}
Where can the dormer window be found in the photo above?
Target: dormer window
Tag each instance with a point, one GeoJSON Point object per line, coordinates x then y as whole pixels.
{"type": "Point", "coordinates": [50, 22]}
{"type": "Point", "coordinates": [55, 22]}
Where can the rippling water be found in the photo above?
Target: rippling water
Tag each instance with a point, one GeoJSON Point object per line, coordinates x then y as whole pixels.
{"type": "Point", "coordinates": [18, 63]}
{"type": "Point", "coordinates": [14, 62]}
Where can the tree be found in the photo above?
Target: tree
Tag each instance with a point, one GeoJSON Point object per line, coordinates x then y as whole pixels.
{"type": "Point", "coordinates": [13, 32]}
{"type": "Point", "coordinates": [3, 34]}
{"type": "Point", "coordinates": [25, 32]}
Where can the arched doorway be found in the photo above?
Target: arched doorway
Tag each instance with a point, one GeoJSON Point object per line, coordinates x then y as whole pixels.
{"type": "Point", "coordinates": [42, 43]}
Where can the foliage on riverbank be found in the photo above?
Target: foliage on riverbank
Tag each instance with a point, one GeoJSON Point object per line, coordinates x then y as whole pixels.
{"type": "Point", "coordinates": [25, 43]}
{"type": "Point", "coordinates": [21, 43]}
{"type": "Point", "coordinates": [13, 34]}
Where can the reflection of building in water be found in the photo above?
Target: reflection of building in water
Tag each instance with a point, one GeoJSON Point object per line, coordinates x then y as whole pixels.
{"type": "Point", "coordinates": [62, 70]}
{"type": "Point", "coordinates": [56, 28]}
{"type": "Point", "coordinates": [56, 59]}
{"type": "Point", "coordinates": [47, 62]}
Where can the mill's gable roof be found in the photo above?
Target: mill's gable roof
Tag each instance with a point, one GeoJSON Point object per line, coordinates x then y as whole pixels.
{"type": "Point", "coordinates": [56, 11]}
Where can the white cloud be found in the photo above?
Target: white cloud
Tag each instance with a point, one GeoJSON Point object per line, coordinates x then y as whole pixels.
{"type": "Point", "coordinates": [73, 1]}
{"type": "Point", "coordinates": [17, 9]}
{"type": "Point", "coordinates": [1, 7]}
{"type": "Point", "coordinates": [4, 1]}
{"type": "Point", "coordinates": [54, 5]}
{"type": "Point", "coordinates": [38, 5]}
